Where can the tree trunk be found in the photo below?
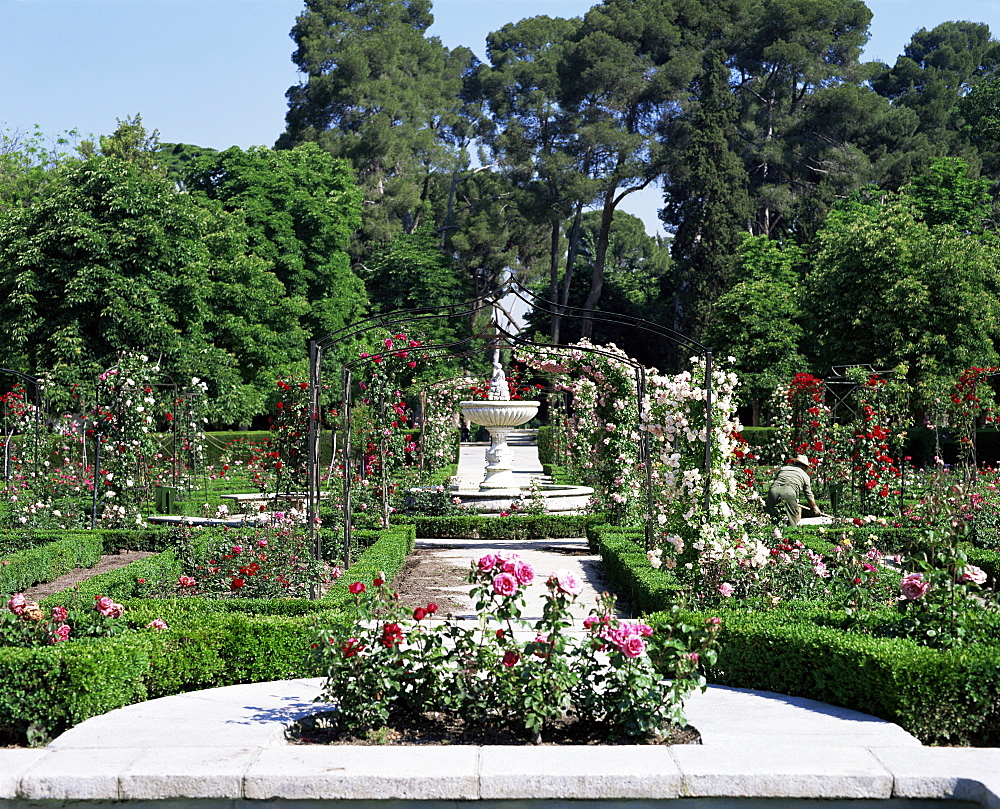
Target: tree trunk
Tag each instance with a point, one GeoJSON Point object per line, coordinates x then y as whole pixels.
{"type": "Point", "coordinates": [574, 243]}
{"type": "Point", "coordinates": [600, 256]}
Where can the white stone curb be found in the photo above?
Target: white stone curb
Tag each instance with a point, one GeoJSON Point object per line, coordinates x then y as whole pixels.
{"type": "Point", "coordinates": [227, 744]}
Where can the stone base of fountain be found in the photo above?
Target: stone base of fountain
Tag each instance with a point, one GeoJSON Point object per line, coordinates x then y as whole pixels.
{"type": "Point", "coordinates": [557, 499]}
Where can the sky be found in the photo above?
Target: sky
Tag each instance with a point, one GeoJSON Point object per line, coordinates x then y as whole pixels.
{"type": "Point", "coordinates": [214, 72]}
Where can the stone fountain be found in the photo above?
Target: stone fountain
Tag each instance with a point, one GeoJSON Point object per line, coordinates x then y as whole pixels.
{"type": "Point", "coordinates": [499, 414]}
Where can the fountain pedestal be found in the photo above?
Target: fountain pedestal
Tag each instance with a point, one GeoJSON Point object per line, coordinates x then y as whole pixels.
{"type": "Point", "coordinates": [499, 418]}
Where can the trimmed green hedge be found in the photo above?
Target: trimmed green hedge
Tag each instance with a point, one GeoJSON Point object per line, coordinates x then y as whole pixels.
{"type": "Point", "coordinates": [625, 562]}
{"type": "Point", "coordinates": [544, 437]}
{"type": "Point", "coordinates": [112, 539]}
{"type": "Point", "coordinates": [47, 562]}
{"type": "Point", "coordinates": [209, 644]}
{"type": "Point", "coordinates": [514, 526]}
{"type": "Point", "coordinates": [806, 650]}
{"type": "Point", "coordinates": [941, 697]}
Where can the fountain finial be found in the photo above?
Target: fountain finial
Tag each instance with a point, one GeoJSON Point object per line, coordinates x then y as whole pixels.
{"type": "Point", "coordinates": [499, 391]}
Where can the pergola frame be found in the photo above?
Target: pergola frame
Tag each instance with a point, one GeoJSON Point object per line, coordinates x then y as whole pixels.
{"type": "Point", "coordinates": [402, 319]}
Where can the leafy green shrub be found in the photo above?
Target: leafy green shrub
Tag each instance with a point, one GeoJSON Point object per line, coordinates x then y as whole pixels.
{"type": "Point", "coordinates": [939, 696]}
{"type": "Point", "coordinates": [514, 526]}
{"type": "Point", "coordinates": [545, 438]}
{"type": "Point", "coordinates": [47, 562]}
{"type": "Point", "coordinates": [208, 644]}
{"type": "Point", "coordinates": [637, 583]}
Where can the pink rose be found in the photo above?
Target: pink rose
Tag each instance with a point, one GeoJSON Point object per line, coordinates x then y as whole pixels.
{"type": "Point", "coordinates": [17, 604]}
{"type": "Point", "coordinates": [566, 582]}
{"type": "Point", "coordinates": [523, 572]}
{"type": "Point", "coordinates": [59, 613]}
{"type": "Point", "coordinates": [913, 586]}
{"type": "Point", "coordinates": [632, 646]}
{"type": "Point", "coordinates": [486, 563]}
{"type": "Point", "coordinates": [157, 623]}
{"type": "Point", "coordinates": [61, 633]}
{"type": "Point", "coordinates": [644, 630]}
{"type": "Point", "coordinates": [186, 581]}
{"type": "Point", "coordinates": [726, 589]}
{"type": "Point", "coordinates": [974, 574]}
{"type": "Point", "coordinates": [103, 605]}
{"type": "Point", "coordinates": [237, 550]}
{"type": "Point", "coordinates": [504, 584]}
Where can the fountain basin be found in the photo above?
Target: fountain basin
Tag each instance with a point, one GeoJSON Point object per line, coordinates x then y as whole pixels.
{"type": "Point", "coordinates": [558, 499]}
{"type": "Point", "coordinates": [501, 414]}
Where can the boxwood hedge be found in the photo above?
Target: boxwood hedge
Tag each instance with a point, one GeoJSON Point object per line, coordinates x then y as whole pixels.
{"type": "Point", "coordinates": [209, 643]}
{"type": "Point", "coordinates": [941, 697]}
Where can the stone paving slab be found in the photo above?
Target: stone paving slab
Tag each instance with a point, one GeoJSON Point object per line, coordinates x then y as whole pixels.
{"type": "Point", "coordinates": [193, 772]}
{"type": "Point", "coordinates": [305, 772]}
{"type": "Point", "coordinates": [742, 716]}
{"type": "Point", "coordinates": [962, 773]}
{"type": "Point", "coordinates": [759, 772]}
{"type": "Point", "coordinates": [585, 772]}
{"type": "Point", "coordinates": [13, 765]}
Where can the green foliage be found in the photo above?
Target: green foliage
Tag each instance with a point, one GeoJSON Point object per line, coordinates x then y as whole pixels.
{"type": "Point", "coordinates": [534, 526]}
{"type": "Point", "coordinates": [624, 561]}
{"type": "Point", "coordinates": [386, 97]}
{"type": "Point", "coordinates": [208, 644]}
{"type": "Point", "coordinates": [412, 272]}
{"type": "Point", "coordinates": [27, 165]}
{"type": "Point", "coordinates": [129, 142]}
{"type": "Point", "coordinates": [885, 289]}
{"type": "Point", "coordinates": [757, 320]}
{"type": "Point", "coordinates": [942, 697]}
{"type": "Point", "coordinates": [44, 563]}
{"type": "Point", "coordinates": [298, 208]}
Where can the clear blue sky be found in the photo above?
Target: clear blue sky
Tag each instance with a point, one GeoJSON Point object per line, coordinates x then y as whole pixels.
{"type": "Point", "coordinates": [214, 72]}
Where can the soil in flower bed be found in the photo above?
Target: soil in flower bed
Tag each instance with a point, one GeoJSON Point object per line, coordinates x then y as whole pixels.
{"type": "Point", "coordinates": [435, 728]}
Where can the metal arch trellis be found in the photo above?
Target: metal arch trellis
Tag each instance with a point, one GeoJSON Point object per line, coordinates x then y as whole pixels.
{"type": "Point", "coordinates": [409, 317]}
{"type": "Point", "coordinates": [36, 385]}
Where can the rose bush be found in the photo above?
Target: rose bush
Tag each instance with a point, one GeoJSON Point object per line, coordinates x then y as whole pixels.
{"type": "Point", "coordinates": [386, 661]}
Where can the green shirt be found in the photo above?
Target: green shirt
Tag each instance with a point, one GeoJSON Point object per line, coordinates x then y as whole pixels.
{"type": "Point", "coordinates": [795, 478]}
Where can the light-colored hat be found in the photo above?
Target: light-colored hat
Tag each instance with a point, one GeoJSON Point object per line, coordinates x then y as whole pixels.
{"type": "Point", "coordinates": [802, 460]}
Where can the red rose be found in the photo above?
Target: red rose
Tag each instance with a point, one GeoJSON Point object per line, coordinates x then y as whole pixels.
{"type": "Point", "coordinates": [236, 584]}
{"type": "Point", "coordinates": [356, 588]}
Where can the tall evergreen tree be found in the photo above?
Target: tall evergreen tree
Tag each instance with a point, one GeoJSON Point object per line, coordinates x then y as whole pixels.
{"type": "Point", "coordinates": [380, 93]}
{"type": "Point", "coordinates": [706, 197]}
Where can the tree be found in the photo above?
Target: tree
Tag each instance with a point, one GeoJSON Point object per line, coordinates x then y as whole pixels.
{"type": "Point", "coordinates": [936, 69]}
{"type": "Point", "coordinates": [300, 208]}
{"type": "Point", "coordinates": [638, 270]}
{"type": "Point", "coordinates": [946, 195]}
{"type": "Point", "coordinates": [888, 288]}
{"type": "Point", "coordinates": [757, 320]}
{"type": "Point", "coordinates": [629, 65]}
{"type": "Point", "coordinates": [129, 142]}
{"type": "Point", "coordinates": [412, 272]}
{"type": "Point", "coordinates": [530, 133]}
{"type": "Point", "coordinates": [28, 164]}
{"type": "Point", "coordinates": [113, 259]}
{"type": "Point", "coordinates": [387, 98]}
{"type": "Point", "coordinates": [706, 197]}
{"type": "Point", "coordinates": [791, 51]}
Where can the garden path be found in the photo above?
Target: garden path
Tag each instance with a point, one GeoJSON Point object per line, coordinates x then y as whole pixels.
{"type": "Point", "coordinates": [436, 571]}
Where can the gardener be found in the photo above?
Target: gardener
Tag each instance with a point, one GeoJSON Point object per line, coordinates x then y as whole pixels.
{"type": "Point", "coordinates": [782, 502]}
